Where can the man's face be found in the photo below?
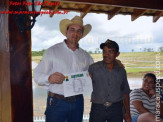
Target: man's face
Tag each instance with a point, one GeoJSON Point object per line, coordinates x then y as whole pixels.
{"type": "Point", "coordinates": [109, 55]}
{"type": "Point", "coordinates": [74, 34]}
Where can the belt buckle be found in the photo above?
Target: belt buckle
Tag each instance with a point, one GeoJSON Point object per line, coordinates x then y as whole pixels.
{"type": "Point", "coordinates": [107, 104]}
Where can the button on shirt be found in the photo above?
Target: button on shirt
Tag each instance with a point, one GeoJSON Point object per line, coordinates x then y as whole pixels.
{"type": "Point", "coordinates": [59, 58]}
{"type": "Point", "coordinates": [108, 86]}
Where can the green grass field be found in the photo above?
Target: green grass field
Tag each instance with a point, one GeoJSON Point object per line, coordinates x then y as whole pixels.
{"type": "Point", "coordinates": [136, 63]}
{"type": "Point", "coordinates": [131, 61]}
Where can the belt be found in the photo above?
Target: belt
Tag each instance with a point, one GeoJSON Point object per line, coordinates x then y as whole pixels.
{"type": "Point", "coordinates": [70, 99]}
{"type": "Point", "coordinates": [107, 104]}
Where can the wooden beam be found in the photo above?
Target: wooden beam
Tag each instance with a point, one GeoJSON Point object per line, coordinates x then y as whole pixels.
{"type": "Point", "coordinates": [5, 85]}
{"type": "Point", "coordinates": [114, 12]}
{"type": "Point", "coordinates": [53, 6]}
{"type": "Point", "coordinates": [93, 11]}
{"type": "Point", "coordinates": [16, 101]}
{"type": "Point", "coordinates": [157, 15]}
{"type": "Point", "coordinates": [20, 73]}
{"type": "Point", "coordinates": [141, 4]}
{"type": "Point", "coordinates": [54, 10]}
{"type": "Point", "coordinates": [85, 10]}
{"type": "Point", "coordinates": [136, 14]}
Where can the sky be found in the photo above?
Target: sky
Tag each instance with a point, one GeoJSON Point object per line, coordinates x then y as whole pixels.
{"type": "Point", "coordinates": [130, 35]}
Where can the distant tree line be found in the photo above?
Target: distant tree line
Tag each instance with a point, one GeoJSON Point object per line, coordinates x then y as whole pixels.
{"type": "Point", "coordinates": [97, 51]}
{"type": "Point", "coordinates": [38, 53]}
{"type": "Point", "coordinates": [160, 49]}
{"type": "Point", "coordinates": [149, 49]}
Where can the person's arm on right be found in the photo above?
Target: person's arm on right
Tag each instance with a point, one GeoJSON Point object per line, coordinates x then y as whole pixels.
{"type": "Point", "coordinates": [139, 106]}
{"type": "Point", "coordinates": [136, 99]}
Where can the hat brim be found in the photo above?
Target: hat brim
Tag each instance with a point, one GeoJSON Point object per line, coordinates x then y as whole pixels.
{"type": "Point", "coordinates": [66, 22]}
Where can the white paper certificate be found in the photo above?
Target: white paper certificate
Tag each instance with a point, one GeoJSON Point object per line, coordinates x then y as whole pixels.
{"type": "Point", "coordinates": [77, 83]}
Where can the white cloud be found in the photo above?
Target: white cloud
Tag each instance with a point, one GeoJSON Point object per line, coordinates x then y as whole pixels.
{"type": "Point", "coordinates": [141, 33]}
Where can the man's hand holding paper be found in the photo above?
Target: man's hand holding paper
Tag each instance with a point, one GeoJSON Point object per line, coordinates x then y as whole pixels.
{"type": "Point", "coordinates": [77, 83]}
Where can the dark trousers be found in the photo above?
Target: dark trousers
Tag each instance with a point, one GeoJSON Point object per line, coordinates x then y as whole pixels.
{"type": "Point", "coordinates": [59, 110]}
{"type": "Point", "coordinates": [100, 113]}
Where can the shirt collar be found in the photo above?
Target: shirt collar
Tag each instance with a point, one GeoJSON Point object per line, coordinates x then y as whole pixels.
{"type": "Point", "coordinates": [65, 45]}
{"type": "Point", "coordinates": [116, 66]}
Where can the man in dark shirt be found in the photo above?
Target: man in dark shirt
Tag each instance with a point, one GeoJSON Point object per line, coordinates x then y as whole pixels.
{"type": "Point", "coordinates": [110, 87]}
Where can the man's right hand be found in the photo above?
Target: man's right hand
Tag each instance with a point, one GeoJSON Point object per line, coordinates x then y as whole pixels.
{"type": "Point", "coordinates": [57, 78]}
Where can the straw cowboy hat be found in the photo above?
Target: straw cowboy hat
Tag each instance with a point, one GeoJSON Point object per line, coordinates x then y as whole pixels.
{"type": "Point", "coordinates": [77, 21]}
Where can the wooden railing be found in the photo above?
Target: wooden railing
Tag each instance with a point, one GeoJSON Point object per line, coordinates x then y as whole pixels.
{"type": "Point", "coordinates": [42, 118]}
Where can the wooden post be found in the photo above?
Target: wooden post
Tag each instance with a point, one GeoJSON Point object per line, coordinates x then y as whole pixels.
{"type": "Point", "coordinates": [16, 101]}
